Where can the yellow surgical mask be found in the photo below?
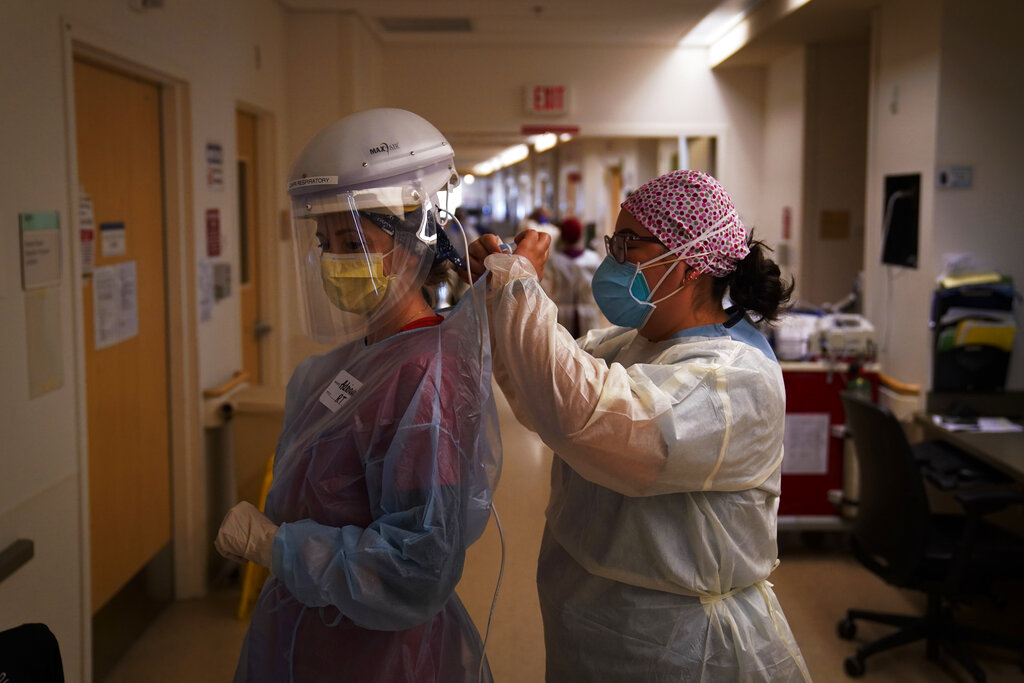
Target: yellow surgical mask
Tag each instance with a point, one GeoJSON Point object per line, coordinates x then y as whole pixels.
{"type": "Point", "coordinates": [354, 282]}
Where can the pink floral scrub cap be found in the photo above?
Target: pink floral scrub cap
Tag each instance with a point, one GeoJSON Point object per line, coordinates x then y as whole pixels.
{"type": "Point", "coordinates": [692, 215]}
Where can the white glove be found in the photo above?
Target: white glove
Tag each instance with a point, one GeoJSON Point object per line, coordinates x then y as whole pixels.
{"type": "Point", "coordinates": [246, 534]}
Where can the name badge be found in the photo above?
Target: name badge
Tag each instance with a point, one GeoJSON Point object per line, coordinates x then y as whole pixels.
{"type": "Point", "coordinates": [342, 388]}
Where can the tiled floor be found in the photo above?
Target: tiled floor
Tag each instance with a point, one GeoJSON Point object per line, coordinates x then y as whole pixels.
{"type": "Point", "coordinates": [198, 640]}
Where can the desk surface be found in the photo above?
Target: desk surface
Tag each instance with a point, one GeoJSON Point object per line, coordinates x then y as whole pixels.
{"type": "Point", "coordinates": [1002, 450]}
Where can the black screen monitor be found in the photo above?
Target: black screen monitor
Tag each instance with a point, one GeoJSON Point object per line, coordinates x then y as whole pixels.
{"type": "Point", "coordinates": [900, 220]}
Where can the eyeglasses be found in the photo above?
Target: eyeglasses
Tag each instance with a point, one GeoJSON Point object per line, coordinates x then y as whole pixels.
{"type": "Point", "coordinates": [616, 244]}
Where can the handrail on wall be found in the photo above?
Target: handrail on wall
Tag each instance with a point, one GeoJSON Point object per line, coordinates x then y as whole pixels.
{"type": "Point", "coordinates": [216, 392]}
{"type": "Point", "coordinates": [15, 556]}
{"type": "Point", "coordinates": [898, 386]}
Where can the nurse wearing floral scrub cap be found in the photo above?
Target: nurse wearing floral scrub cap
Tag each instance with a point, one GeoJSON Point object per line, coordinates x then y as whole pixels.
{"type": "Point", "coordinates": [667, 430]}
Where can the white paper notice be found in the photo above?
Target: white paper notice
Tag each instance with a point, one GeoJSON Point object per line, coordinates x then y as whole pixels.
{"type": "Point", "coordinates": [806, 443]}
{"type": "Point", "coordinates": [106, 303]}
{"type": "Point", "coordinates": [40, 249]}
{"type": "Point", "coordinates": [205, 270]}
{"type": "Point", "coordinates": [112, 240]}
{"type": "Point", "coordinates": [115, 304]}
{"type": "Point", "coordinates": [128, 315]}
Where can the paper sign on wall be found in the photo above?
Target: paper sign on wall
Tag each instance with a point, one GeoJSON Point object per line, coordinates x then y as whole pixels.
{"type": "Point", "coordinates": [115, 304]}
{"type": "Point", "coordinates": [86, 233]}
{"type": "Point", "coordinates": [40, 249]}
{"type": "Point", "coordinates": [806, 443]}
{"type": "Point", "coordinates": [112, 239]}
{"type": "Point", "coordinates": [214, 166]}
{"type": "Point", "coordinates": [44, 349]}
{"type": "Point", "coordinates": [204, 270]}
{"type": "Point", "coordinates": [221, 280]}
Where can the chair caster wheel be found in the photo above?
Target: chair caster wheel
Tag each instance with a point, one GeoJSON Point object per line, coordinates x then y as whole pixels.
{"type": "Point", "coordinates": [854, 666]}
{"type": "Point", "coordinates": [846, 628]}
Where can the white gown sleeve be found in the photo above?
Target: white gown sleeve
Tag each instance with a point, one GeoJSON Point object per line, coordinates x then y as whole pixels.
{"type": "Point", "coordinates": [702, 424]}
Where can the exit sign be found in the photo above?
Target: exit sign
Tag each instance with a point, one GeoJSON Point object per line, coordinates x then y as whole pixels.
{"type": "Point", "coordinates": [547, 99]}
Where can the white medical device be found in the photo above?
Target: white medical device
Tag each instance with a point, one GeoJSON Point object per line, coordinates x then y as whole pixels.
{"type": "Point", "coordinates": [843, 335]}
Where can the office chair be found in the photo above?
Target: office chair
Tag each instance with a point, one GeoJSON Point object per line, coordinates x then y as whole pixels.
{"type": "Point", "coordinates": [897, 537]}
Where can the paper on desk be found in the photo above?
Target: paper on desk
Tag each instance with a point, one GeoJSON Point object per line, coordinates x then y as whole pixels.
{"type": "Point", "coordinates": [976, 424]}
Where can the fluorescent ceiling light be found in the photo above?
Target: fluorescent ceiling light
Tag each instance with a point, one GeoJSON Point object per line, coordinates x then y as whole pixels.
{"type": "Point", "coordinates": [509, 156]}
{"type": "Point", "coordinates": [718, 22]}
{"type": "Point", "coordinates": [544, 142]}
{"type": "Point", "coordinates": [485, 168]}
{"type": "Point", "coordinates": [513, 155]}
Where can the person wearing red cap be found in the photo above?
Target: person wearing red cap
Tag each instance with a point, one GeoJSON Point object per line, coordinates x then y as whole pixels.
{"type": "Point", "coordinates": [570, 271]}
{"type": "Point", "coordinates": [667, 431]}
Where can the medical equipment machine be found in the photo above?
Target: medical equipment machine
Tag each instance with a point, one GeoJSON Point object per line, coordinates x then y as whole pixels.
{"type": "Point", "coordinates": [843, 335]}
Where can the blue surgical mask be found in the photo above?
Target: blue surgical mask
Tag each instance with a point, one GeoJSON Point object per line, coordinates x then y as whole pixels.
{"type": "Point", "coordinates": [622, 294]}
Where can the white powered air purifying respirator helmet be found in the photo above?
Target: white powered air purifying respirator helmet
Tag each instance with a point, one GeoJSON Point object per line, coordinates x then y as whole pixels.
{"type": "Point", "coordinates": [364, 213]}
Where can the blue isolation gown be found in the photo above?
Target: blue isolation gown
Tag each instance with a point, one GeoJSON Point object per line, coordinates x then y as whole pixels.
{"type": "Point", "coordinates": [383, 477]}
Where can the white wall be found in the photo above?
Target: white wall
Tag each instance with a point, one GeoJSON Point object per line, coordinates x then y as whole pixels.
{"type": "Point", "coordinates": [782, 167]}
{"type": "Point", "coordinates": [902, 133]}
{"type": "Point", "coordinates": [836, 154]}
{"type": "Point", "coordinates": [332, 70]}
{"type": "Point", "coordinates": [615, 91]}
{"type": "Point", "coordinates": [979, 120]}
{"type": "Point", "coordinates": [212, 47]}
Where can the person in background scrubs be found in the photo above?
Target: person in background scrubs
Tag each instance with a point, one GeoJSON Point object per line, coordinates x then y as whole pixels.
{"type": "Point", "coordinates": [667, 430]}
{"type": "Point", "coordinates": [540, 220]}
{"type": "Point", "coordinates": [390, 451]}
{"type": "Point", "coordinates": [568, 273]}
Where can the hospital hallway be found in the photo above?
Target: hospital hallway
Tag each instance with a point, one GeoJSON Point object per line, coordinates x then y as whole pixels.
{"type": "Point", "coordinates": [198, 640]}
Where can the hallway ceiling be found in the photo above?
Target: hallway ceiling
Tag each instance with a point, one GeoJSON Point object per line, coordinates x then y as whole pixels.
{"type": "Point", "coordinates": [640, 22]}
{"type": "Point", "coordinates": [653, 23]}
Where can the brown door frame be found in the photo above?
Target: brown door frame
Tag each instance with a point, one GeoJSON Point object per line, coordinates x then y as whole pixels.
{"type": "Point", "coordinates": [187, 479]}
{"type": "Point", "coordinates": [273, 229]}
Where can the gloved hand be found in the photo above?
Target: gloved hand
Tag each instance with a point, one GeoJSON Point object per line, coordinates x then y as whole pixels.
{"type": "Point", "coordinates": [246, 534]}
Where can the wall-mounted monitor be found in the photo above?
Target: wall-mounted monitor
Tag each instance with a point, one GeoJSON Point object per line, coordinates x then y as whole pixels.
{"type": "Point", "coordinates": [901, 212]}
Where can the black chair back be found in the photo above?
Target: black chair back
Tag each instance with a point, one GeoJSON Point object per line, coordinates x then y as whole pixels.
{"type": "Point", "coordinates": [890, 532]}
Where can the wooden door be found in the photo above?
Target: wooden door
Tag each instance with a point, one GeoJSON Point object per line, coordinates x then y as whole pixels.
{"type": "Point", "coordinates": [119, 166]}
{"type": "Point", "coordinates": [701, 151]}
{"type": "Point", "coordinates": [248, 242]}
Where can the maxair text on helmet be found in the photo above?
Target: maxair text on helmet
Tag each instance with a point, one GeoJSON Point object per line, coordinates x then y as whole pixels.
{"type": "Point", "coordinates": [388, 147]}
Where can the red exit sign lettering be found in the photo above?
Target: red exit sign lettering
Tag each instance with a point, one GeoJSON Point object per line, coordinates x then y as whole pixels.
{"type": "Point", "coordinates": [547, 99]}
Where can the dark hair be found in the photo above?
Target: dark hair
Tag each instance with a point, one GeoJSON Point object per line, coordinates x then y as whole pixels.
{"type": "Point", "coordinates": [440, 272]}
{"type": "Point", "coordinates": [756, 284]}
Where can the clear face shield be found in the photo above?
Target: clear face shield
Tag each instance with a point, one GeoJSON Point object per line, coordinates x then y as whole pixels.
{"type": "Point", "coordinates": [360, 255]}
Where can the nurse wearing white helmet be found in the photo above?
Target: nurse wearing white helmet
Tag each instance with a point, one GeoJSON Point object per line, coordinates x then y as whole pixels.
{"type": "Point", "coordinates": [389, 455]}
{"type": "Point", "coordinates": [667, 430]}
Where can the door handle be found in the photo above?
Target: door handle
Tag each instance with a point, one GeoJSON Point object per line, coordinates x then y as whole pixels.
{"type": "Point", "coordinates": [262, 329]}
